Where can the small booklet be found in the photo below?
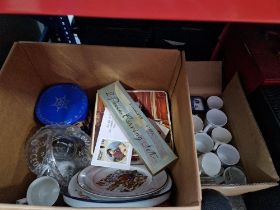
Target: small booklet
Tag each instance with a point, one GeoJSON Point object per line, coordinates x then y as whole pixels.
{"type": "Point", "coordinates": [112, 148]}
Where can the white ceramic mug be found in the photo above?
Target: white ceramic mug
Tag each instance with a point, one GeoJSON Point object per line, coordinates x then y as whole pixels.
{"type": "Point", "coordinates": [203, 143]}
{"type": "Point", "coordinates": [214, 118]}
{"type": "Point", "coordinates": [209, 164]}
{"type": "Point", "coordinates": [234, 175]}
{"type": "Point", "coordinates": [228, 154]}
{"type": "Point", "coordinates": [197, 123]}
{"type": "Point", "coordinates": [215, 102]}
{"type": "Point", "coordinates": [220, 136]}
{"type": "Point", "coordinates": [43, 191]}
{"type": "Point", "coordinates": [218, 179]}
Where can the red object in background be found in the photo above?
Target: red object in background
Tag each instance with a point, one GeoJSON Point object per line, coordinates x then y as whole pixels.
{"type": "Point", "coordinates": [254, 52]}
{"type": "Point", "coordinates": [258, 11]}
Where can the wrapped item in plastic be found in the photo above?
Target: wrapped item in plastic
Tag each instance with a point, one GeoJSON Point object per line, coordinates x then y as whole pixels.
{"type": "Point", "coordinates": [58, 151]}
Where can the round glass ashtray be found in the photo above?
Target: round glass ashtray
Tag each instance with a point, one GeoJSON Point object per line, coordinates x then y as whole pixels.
{"type": "Point", "coordinates": [58, 151]}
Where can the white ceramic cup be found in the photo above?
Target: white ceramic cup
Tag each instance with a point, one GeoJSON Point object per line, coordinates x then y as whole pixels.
{"type": "Point", "coordinates": [214, 118]}
{"type": "Point", "coordinates": [203, 143]}
{"type": "Point", "coordinates": [215, 102]}
{"type": "Point", "coordinates": [234, 175]}
{"type": "Point", "coordinates": [197, 123]}
{"type": "Point", "coordinates": [43, 191]}
{"type": "Point", "coordinates": [220, 136]}
{"type": "Point", "coordinates": [218, 179]}
{"type": "Point", "coordinates": [228, 154]}
{"type": "Point", "coordinates": [209, 164]}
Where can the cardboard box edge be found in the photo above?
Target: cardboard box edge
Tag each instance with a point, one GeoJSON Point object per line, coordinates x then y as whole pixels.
{"type": "Point", "coordinates": [234, 190]}
{"type": "Point", "coordinates": [236, 80]}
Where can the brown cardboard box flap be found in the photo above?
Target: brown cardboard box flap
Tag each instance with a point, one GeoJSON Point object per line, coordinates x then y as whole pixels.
{"type": "Point", "coordinates": [240, 189]}
{"type": "Point", "coordinates": [205, 77]}
{"type": "Point", "coordinates": [247, 136]}
{"type": "Point", "coordinates": [17, 105]}
{"type": "Point", "coordinates": [26, 207]}
{"type": "Point", "coordinates": [97, 66]}
{"type": "Point", "coordinates": [181, 109]}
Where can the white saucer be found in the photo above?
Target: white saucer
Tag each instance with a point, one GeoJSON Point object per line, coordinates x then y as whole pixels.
{"type": "Point", "coordinates": [77, 198]}
{"type": "Point", "coordinates": [75, 202]}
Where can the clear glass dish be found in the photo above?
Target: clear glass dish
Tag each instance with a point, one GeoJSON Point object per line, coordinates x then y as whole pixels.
{"type": "Point", "coordinates": [59, 151]}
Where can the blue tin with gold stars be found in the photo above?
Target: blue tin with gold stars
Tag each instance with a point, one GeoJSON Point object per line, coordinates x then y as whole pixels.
{"type": "Point", "coordinates": [64, 104]}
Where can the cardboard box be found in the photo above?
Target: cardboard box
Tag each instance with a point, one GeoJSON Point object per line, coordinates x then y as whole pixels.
{"type": "Point", "coordinates": [205, 79]}
{"type": "Point", "coordinates": [31, 67]}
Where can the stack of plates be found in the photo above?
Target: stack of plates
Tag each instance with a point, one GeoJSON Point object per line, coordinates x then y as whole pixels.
{"type": "Point", "coordinates": [107, 187]}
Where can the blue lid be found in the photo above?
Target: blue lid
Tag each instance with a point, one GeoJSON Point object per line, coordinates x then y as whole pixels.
{"type": "Point", "coordinates": [62, 104]}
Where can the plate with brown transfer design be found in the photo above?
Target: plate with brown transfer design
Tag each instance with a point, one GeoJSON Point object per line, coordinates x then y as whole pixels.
{"type": "Point", "coordinates": [116, 183]}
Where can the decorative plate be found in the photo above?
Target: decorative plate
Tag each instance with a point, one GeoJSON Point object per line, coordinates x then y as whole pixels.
{"type": "Point", "coordinates": [77, 198]}
{"type": "Point", "coordinates": [114, 183]}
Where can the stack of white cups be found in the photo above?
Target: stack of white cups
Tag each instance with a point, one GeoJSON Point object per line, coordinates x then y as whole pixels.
{"type": "Point", "coordinates": [212, 146]}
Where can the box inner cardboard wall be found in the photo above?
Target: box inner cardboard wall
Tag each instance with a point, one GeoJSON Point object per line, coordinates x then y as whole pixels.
{"type": "Point", "coordinates": [254, 154]}
{"type": "Point", "coordinates": [32, 67]}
